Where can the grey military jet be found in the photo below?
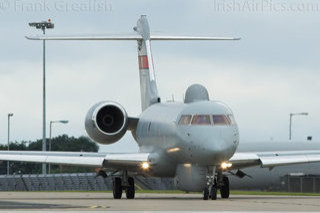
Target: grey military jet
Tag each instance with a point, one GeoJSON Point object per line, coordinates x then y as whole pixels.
{"type": "Point", "coordinates": [194, 142]}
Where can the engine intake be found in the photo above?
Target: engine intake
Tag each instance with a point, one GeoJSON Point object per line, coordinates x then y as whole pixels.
{"type": "Point", "coordinates": [106, 122]}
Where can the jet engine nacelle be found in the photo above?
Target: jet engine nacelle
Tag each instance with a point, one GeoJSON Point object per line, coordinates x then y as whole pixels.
{"type": "Point", "coordinates": [106, 122]}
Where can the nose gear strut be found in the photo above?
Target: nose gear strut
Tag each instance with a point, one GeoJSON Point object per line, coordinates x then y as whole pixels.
{"type": "Point", "coordinates": [215, 181]}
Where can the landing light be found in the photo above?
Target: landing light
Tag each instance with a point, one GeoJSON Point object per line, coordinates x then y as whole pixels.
{"type": "Point", "coordinates": [173, 149]}
{"type": "Point", "coordinates": [187, 165]}
{"type": "Point", "coordinates": [145, 165]}
{"type": "Point", "coordinates": [225, 165]}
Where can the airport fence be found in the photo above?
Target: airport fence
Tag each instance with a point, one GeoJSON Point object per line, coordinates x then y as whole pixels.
{"type": "Point", "coordinates": [75, 182]}
{"type": "Point", "coordinates": [91, 182]}
{"type": "Point", "coordinates": [301, 183]}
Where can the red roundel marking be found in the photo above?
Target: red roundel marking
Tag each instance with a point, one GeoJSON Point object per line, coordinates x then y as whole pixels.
{"type": "Point", "coordinates": [143, 62]}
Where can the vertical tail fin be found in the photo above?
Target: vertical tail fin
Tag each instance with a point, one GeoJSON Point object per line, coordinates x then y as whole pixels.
{"type": "Point", "coordinates": [148, 86]}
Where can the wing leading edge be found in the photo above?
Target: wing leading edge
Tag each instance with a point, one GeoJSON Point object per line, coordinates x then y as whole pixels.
{"type": "Point", "coordinates": [131, 161]}
{"type": "Point", "coordinates": [273, 159]}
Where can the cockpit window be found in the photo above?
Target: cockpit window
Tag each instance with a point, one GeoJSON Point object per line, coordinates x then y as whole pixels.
{"type": "Point", "coordinates": [201, 120]}
{"type": "Point", "coordinates": [216, 120]}
{"type": "Point", "coordinates": [220, 120]}
{"type": "Point", "coordinates": [185, 120]}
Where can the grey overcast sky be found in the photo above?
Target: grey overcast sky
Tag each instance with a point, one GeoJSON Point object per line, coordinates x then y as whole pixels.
{"type": "Point", "coordinates": [272, 71]}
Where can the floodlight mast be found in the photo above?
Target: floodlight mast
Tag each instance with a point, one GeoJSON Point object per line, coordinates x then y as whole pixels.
{"type": "Point", "coordinates": [8, 163]}
{"type": "Point", "coordinates": [52, 122]}
{"type": "Point", "coordinates": [43, 26]}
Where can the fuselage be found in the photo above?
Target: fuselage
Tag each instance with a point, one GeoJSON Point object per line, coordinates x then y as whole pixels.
{"type": "Point", "coordinates": [202, 133]}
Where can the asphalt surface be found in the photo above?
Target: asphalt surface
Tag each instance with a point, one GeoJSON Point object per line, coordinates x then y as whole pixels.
{"type": "Point", "coordinates": [87, 201]}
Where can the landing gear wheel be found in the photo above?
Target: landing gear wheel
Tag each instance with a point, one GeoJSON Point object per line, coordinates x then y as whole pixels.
{"type": "Point", "coordinates": [206, 193]}
{"type": "Point", "coordinates": [224, 190]}
{"type": "Point", "coordinates": [130, 190]}
{"type": "Point", "coordinates": [213, 192]}
{"type": "Point", "coordinates": [117, 188]}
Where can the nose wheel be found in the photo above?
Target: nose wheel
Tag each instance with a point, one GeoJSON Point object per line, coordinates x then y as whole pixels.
{"type": "Point", "coordinates": [213, 192]}
{"type": "Point", "coordinates": [210, 192]}
{"type": "Point", "coordinates": [206, 193]}
{"type": "Point", "coordinates": [215, 182]}
{"type": "Point", "coordinates": [211, 189]}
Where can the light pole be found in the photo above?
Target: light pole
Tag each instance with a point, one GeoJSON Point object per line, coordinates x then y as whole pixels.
{"type": "Point", "coordinates": [290, 122]}
{"type": "Point", "coordinates": [52, 122]}
{"type": "Point", "coordinates": [43, 26]}
{"type": "Point", "coordinates": [8, 163]}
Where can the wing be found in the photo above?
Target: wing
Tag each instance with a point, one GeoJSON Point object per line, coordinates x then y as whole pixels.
{"type": "Point", "coordinates": [128, 161]}
{"type": "Point", "coordinates": [273, 159]}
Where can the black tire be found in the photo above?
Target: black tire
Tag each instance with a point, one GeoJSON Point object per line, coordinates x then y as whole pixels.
{"type": "Point", "coordinates": [225, 191]}
{"type": "Point", "coordinates": [206, 193]}
{"type": "Point", "coordinates": [213, 192]}
{"type": "Point", "coordinates": [117, 188]}
{"type": "Point", "coordinates": [130, 190]}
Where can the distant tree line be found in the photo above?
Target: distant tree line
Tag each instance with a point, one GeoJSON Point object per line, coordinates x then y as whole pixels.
{"type": "Point", "coordinates": [60, 143]}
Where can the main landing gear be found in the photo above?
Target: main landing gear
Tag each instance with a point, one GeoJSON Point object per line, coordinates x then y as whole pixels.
{"type": "Point", "coordinates": [224, 189]}
{"type": "Point", "coordinates": [214, 183]}
{"type": "Point", "coordinates": [125, 183]}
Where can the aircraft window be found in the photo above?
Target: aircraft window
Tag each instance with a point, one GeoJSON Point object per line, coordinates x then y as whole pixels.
{"type": "Point", "coordinates": [201, 120]}
{"type": "Point", "coordinates": [220, 120]}
{"type": "Point", "coordinates": [232, 120]}
{"type": "Point", "coordinates": [185, 120]}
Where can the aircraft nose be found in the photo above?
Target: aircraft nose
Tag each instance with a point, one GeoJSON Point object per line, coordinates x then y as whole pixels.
{"type": "Point", "coordinates": [208, 146]}
{"type": "Point", "coordinates": [217, 150]}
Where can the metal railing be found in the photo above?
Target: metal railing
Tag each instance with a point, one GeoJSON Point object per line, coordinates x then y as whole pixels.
{"type": "Point", "coordinates": [74, 182]}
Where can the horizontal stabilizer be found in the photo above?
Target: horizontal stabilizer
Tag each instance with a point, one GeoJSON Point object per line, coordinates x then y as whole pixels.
{"type": "Point", "coordinates": [88, 37]}
{"type": "Point", "coordinates": [128, 37]}
{"type": "Point", "coordinates": [177, 38]}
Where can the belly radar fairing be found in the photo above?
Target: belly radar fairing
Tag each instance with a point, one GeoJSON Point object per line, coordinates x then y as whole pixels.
{"type": "Point", "coordinates": [194, 142]}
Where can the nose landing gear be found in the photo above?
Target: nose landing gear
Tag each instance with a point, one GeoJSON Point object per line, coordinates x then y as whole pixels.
{"type": "Point", "coordinates": [206, 193]}
{"type": "Point", "coordinates": [215, 182]}
{"type": "Point", "coordinates": [210, 192]}
{"type": "Point", "coordinates": [213, 192]}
